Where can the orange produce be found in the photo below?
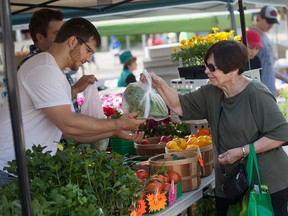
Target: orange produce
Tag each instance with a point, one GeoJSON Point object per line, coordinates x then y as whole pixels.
{"type": "Point", "coordinates": [203, 132]}
{"type": "Point", "coordinates": [192, 141]}
{"type": "Point", "coordinates": [192, 147]}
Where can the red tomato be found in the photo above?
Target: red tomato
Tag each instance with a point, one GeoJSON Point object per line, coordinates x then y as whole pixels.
{"type": "Point", "coordinates": [167, 187]}
{"type": "Point", "coordinates": [174, 176]}
{"type": "Point", "coordinates": [152, 188]}
{"type": "Point", "coordinates": [142, 174]}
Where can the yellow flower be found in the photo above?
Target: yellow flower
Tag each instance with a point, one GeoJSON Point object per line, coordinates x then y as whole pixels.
{"type": "Point", "coordinates": [60, 147]}
{"type": "Point", "coordinates": [192, 50]}
{"type": "Point", "coordinates": [237, 38]}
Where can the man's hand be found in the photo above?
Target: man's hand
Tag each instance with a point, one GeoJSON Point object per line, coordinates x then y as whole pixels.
{"type": "Point", "coordinates": [136, 137]}
{"type": "Point", "coordinates": [82, 84]}
{"type": "Point", "coordinates": [128, 122]}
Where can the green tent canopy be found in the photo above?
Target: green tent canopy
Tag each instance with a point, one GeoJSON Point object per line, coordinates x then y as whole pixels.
{"type": "Point", "coordinates": [164, 25]}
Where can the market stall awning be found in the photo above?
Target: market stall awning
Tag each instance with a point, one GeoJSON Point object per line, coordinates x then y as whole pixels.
{"type": "Point", "coordinates": [198, 23]}
{"type": "Point", "coordinates": [121, 9]}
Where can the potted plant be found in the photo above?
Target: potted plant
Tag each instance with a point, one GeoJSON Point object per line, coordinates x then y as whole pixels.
{"type": "Point", "coordinates": [189, 54]}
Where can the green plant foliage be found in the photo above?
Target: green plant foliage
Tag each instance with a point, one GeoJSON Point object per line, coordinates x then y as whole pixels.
{"type": "Point", "coordinates": [165, 128]}
{"type": "Point", "coordinates": [76, 181]}
{"type": "Point", "coordinates": [283, 107]}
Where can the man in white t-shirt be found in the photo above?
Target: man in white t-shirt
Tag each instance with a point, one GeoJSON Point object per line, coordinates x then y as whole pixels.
{"type": "Point", "coordinates": [45, 96]}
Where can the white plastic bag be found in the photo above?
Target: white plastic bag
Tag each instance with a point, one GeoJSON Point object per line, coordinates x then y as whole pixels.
{"type": "Point", "coordinates": [92, 106]}
{"type": "Point", "coordinates": [141, 96]}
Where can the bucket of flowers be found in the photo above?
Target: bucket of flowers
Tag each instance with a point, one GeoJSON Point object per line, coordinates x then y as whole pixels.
{"type": "Point", "coordinates": [189, 54]}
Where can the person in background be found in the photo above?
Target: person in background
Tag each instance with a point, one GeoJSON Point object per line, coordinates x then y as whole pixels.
{"type": "Point", "coordinates": [239, 112]}
{"type": "Point", "coordinates": [154, 40]}
{"type": "Point", "coordinates": [44, 26]}
{"type": "Point", "coordinates": [115, 47]}
{"type": "Point", "coordinates": [254, 43]}
{"type": "Point", "coordinates": [281, 65]}
{"type": "Point", "coordinates": [130, 65]}
{"type": "Point", "coordinates": [46, 107]}
{"type": "Point", "coordinates": [264, 22]}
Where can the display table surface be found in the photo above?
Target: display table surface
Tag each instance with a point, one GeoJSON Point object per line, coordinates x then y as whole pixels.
{"type": "Point", "coordinates": [188, 198]}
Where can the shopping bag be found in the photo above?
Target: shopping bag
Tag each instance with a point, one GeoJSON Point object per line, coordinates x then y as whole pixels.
{"type": "Point", "coordinates": [259, 203]}
{"type": "Point", "coordinates": [92, 106]}
{"type": "Point", "coordinates": [142, 97]}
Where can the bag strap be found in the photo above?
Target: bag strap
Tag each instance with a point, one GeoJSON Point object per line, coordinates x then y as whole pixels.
{"type": "Point", "coordinates": [251, 163]}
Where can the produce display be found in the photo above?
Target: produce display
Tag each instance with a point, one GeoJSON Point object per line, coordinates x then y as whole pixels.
{"type": "Point", "coordinates": [159, 190]}
{"type": "Point", "coordinates": [200, 139]}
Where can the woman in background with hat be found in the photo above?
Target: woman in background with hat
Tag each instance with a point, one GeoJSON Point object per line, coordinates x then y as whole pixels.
{"type": "Point", "coordinates": [254, 43]}
{"type": "Point", "coordinates": [130, 65]}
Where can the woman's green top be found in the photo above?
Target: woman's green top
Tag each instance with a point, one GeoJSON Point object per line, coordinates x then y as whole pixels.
{"type": "Point", "coordinates": [245, 117]}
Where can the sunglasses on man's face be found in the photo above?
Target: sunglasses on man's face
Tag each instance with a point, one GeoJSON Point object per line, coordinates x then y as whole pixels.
{"type": "Point", "coordinates": [88, 47]}
{"type": "Point", "coordinates": [211, 67]}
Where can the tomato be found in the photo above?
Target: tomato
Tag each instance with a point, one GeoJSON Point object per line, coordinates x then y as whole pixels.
{"type": "Point", "coordinates": [167, 187]}
{"type": "Point", "coordinates": [174, 176]}
{"type": "Point", "coordinates": [161, 178]}
{"type": "Point", "coordinates": [159, 184]}
{"type": "Point", "coordinates": [142, 174]}
{"type": "Point", "coordinates": [154, 187]}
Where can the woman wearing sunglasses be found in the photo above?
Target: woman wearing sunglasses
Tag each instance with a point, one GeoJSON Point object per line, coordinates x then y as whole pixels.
{"type": "Point", "coordinates": [240, 111]}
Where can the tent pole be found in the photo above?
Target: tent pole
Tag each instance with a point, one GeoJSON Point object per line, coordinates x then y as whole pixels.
{"type": "Point", "coordinates": [242, 21]}
{"type": "Point", "coordinates": [14, 106]}
{"type": "Point", "coordinates": [232, 16]}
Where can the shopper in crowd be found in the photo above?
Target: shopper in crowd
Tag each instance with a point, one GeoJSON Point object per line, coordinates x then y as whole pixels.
{"type": "Point", "coordinates": [45, 97]}
{"type": "Point", "coordinates": [264, 22]}
{"type": "Point", "coordinates": [240, 111]}
{"type": "Point", "coordinates": [154, 40]}
{"type": "Point", "coordinates": [130, 65]}
{"type": "Point", "coordinates": [254, 43]}
{"type": "Point", "coordinates": [115, 47]}
{"type": "Point", "coordinates": [43, 27]}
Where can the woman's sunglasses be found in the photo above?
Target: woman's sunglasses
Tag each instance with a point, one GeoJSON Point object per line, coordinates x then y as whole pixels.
{"type": "Point", "coordinates": [211, 67]}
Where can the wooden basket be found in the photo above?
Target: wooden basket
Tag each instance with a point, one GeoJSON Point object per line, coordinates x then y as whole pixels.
{"type": "Point", "coordinates": [150, 149]}
{"type": "Point", "coordinates": [207, 156]}
{"type": "Point", "coordinates": [187, 166]}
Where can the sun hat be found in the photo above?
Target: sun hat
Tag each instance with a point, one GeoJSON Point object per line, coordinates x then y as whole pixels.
{"type": "Point", "coordinates": [254, 38]}
{"type": "Point", "coordinates": [125, 56]}
{"type": "Point", "coordinates": [269, 13]}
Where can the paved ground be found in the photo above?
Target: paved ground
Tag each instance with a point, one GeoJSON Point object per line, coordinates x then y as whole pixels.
{"type": "Point", "coordinates": [109, 68]}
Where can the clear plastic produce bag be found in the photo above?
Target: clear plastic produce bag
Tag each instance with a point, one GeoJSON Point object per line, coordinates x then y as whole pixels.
{"type": "Point", "coordinates": [141, 96]}
{"type": "Point", "coordinates": [92, 106]}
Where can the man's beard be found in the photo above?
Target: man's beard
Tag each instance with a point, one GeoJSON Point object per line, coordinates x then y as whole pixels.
{"type": "Point", "coordinates": [74, 57]}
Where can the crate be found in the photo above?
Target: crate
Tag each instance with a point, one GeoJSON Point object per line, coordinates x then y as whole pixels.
{"type": "Point", "coordinates": [197, 124]}
{"type": "Point", "coordinates": [122, 146]}
{"type": "Point", "coordinates": [253, 74]}
{"type": "Point", "coordinates": [183, 86]}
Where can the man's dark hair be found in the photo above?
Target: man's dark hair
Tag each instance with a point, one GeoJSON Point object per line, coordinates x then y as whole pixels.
{"type": "Point", "coordinates": [228, 56]}
{"type": "Point", "coordinates": [78, 27]}
{"type": "Point", "coordinates": [40, 20]}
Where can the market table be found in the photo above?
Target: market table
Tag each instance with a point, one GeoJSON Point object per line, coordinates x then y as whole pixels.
{"type": "Point", "coordinates": [188, 198]}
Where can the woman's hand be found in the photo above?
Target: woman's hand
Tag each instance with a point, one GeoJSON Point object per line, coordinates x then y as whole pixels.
{"type": "Point", "coordinates": [230, 156]}
{"type": "Point", "coordinates": [156, 80]}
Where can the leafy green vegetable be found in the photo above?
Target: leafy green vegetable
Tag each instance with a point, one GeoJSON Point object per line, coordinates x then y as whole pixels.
{"type": "Point", "coordinates": [75, 181]}
{"type": "Point", "coordinates": [134, 98]}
